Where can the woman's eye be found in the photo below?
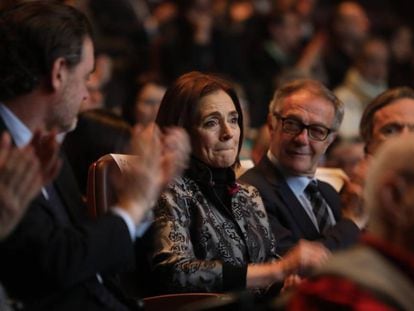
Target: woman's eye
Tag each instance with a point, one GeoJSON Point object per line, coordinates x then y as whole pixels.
{"type": "Point", "coordinates": [210, 123]}
{"type": "Point", "coordinates": [234, 120]}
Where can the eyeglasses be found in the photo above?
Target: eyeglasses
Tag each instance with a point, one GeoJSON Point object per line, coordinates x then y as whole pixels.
{"type": "Point", "coordinates": [295, 127]}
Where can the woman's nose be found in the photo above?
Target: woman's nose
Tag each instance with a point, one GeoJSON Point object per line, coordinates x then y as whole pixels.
{"type": "Point", "coordinates": [226, 132]}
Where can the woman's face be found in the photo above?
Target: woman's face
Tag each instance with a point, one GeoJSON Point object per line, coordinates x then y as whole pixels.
{"type": "Point", "coordinates": [216, 135]}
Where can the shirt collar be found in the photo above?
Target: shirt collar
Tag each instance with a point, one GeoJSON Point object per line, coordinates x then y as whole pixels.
{"type": "Point", "coordinates": [298, 184]}
{"type": "Point", "coordinates": [19, 132]}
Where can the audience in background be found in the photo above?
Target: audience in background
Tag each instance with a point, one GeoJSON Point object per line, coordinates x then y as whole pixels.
{"type": "Point", "coordinates": [146, 102]}
{"type": "Point", "coordinates": [363, 82]}
{"type": "Point", "coordinates": [190, 43]}
{"type": "Point", "coordinates": [224, 36]}
{"type": "Point", "coordinates": [269, 59]}
{"type": "Point", "coordinates": [402, 59]}
{"type": "Point", "coordinates": [349, 27]}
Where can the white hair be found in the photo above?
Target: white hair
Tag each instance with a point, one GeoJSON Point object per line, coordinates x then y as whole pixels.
{"type": "Point", "coordinates": [394, 157]}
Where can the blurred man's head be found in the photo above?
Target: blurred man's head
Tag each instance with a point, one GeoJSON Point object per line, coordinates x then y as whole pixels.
{"type": "Point", "coordinates": [372, 61]}
{"type": "Point", "coordinates": [350, 21]}
{"type": "Point", "coordinates": [389, 192]}
{"type": "Point", "coordinates": [388, 115]}
{"type": "Point", "coordinates": [284, 29]}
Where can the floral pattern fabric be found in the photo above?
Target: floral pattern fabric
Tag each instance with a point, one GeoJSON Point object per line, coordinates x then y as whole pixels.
{"type": "Point", "coordinates": [195, 234]}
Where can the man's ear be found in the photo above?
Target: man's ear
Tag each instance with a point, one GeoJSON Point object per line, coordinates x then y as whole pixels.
{"type": "Point", "coordinates": [58, 74]}
{"type": "Point", "coordinates": [332, 137]}
{"type": "Point", "coordinates": [330, 140]}
{"type": "Point", "coordinates": [271, 124]}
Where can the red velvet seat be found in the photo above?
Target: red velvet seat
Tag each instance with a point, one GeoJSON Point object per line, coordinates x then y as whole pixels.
{"type": "Point", "coordinates": [102, 175]}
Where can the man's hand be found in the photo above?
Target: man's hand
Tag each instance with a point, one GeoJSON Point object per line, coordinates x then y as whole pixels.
{"type": "Point", "coordinates": [23, 172]}
{"type": "Point", "coordinates": [176, 154]}
{"type": "Point", "coordinates": [160, 158]}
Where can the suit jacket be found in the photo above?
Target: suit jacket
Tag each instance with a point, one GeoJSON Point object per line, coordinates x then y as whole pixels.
{"type": "Point", "coordinates": [50, 265]}
{"type": "Point", "coordinates": [288, 219]}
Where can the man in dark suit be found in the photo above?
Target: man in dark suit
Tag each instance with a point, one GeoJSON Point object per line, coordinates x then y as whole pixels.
{"type": "Point", "coordinates": [22, 175]}
{"type": "Point", "coordinates": [56, 258]}
{"type": "Point", "coordinates": [303, 119]}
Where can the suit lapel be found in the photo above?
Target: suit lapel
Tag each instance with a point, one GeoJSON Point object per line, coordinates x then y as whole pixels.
{"type": "Point", "coordinates": [69, 193]}
{"type": "Point", "coordinates": [287, 197]}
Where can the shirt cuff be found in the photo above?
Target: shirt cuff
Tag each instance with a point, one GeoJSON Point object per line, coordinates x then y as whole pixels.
{"type": "Point", "coordinates": [134, 230]}
{"type": "Point", "coordinates": [127, 219]}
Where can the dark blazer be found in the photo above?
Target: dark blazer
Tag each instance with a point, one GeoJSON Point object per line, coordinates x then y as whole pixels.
{"type": "Point", "coordinates": [288, 219]}
{"type": "Point", "coordinates": [51, 265]}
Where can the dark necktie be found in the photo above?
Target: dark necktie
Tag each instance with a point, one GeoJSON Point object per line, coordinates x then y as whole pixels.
{"type": "Point", "coordinates": [319, 206]}
{"type": "Point", "coordinates": [57, 206]}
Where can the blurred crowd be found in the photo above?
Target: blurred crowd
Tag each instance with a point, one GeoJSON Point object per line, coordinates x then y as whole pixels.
{"type": "Point", "coordinates": [356, 48]}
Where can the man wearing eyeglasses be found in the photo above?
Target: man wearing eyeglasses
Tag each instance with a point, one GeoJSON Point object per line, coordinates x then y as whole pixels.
{"type": "Point", "coordinates": [303, 120]}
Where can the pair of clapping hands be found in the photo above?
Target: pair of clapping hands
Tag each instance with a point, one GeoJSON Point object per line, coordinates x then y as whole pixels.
{"type": "Point", "coordinates": [24, 171]}
{"type": "Point", "coordinates": [162, 157]}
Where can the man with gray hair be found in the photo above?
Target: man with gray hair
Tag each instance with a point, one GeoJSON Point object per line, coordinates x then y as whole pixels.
{"type": "Point", "coordinates": [378, 273]}
{"type": "Point", "coordinates": [303, 120]}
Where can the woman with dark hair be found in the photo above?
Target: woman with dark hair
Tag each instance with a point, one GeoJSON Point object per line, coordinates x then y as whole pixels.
{"type": "Point", "coordinates": [211, 233]}
{"type": "Point", "coordinates": [98, 132]}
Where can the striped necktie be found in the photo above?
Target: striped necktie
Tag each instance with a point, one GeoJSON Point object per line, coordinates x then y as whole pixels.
{"type": "Point", "coordinates": [319, 206]}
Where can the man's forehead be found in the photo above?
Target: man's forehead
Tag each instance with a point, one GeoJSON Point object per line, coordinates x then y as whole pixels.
{"type": "Point", "coordinates": [400, 109]}
{"type": "Point", "coordinates": [308, 101]}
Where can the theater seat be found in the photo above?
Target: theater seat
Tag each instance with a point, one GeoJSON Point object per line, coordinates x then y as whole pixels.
{"type": "Point", "coordinates": [101, 196]}
{"type": "Point", "coordinates": [102, 175]}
